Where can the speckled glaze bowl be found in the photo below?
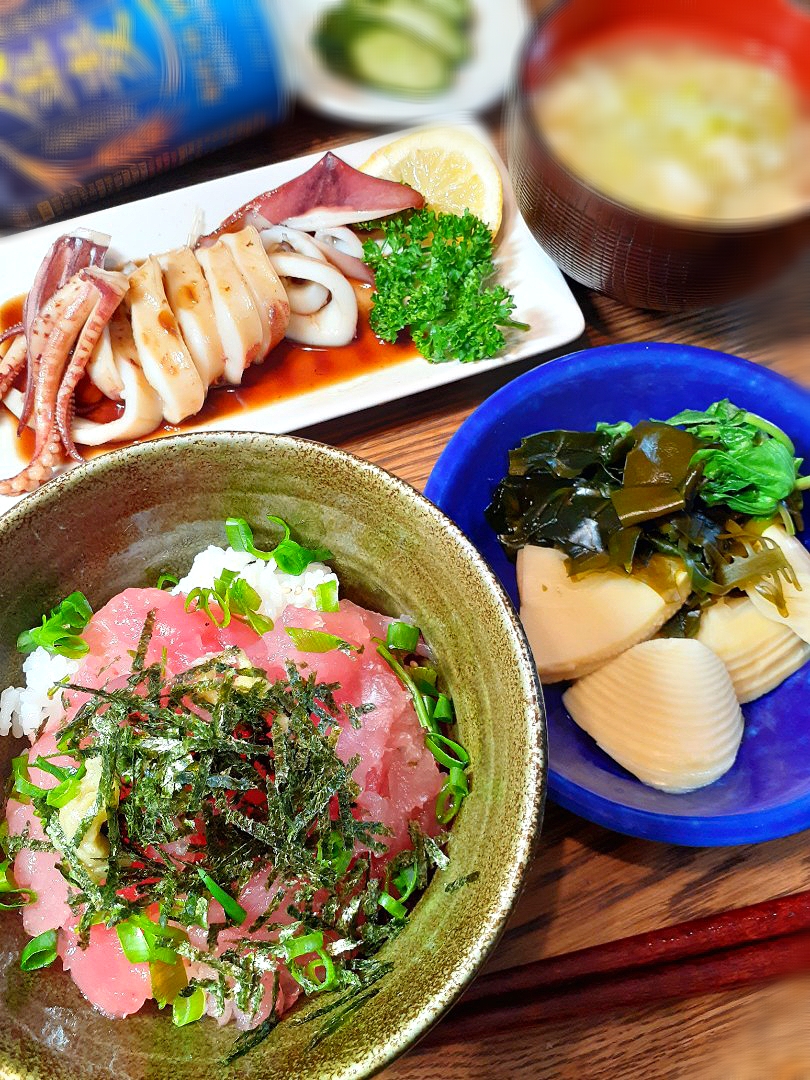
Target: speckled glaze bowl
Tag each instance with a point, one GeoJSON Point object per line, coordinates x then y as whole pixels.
{"type": "Point", "coordinates": [124, 517]}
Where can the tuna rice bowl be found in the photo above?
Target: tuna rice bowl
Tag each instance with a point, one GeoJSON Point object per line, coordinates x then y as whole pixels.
{"type": "Point", "coordinates": [239, 784]}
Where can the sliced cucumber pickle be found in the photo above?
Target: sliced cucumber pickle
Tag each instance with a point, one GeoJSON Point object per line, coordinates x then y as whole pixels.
{"type": "Point", "coordinates": [387, 59]}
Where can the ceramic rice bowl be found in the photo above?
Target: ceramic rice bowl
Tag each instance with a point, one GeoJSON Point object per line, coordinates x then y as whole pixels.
{"type": "Point", "coordinates": [126, 516]}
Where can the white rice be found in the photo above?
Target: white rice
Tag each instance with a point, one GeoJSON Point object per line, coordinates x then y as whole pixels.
{"type": "Point", "coordinates": [275, 588]}
{"type": "Point", "coordinates": [24, 709]}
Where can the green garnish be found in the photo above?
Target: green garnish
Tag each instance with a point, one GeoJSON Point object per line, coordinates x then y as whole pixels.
{"type": "Point", "coordinates": [232, 908]}
{"type": "Point", "coordinates": [60, 631]}
{"type": "Point", "coordinates": [326, 596]}
{"type": "Point", "coordinates": [145, 941]}
{"type": "Point", "coordinates": [11, 895]}
{"type": "Point", "coordinates": [22, 783]}
{"type": "Point", "coordinates": [165, 580]}
{"type": "Point", "coordinates": [234, 597]}
{"type": "Point", "coordinates": [402, 636]}
{"type": "Point", "coordinates": [289, 556]}
{"type": "Point", "coordinates": [40, 952]}
{"type": "Point", "coordinates": [431, 710]}
{"type": "Point", "coordinates": [750, 466]}
{"type": "Point", "coordinates": [307, 974]}
{"type": "Point", "coordinates": [433, 274]}
{"type": "Point", "coordinates": [317, 641]}
{"type": "Point", "coordinates": [188, 1007]}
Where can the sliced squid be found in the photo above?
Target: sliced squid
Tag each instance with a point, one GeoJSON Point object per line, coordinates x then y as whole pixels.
{"type": "Point", "coordinates": [344, 249]}
{"type": "Point", "coordinates": [164, 357]}
{"type": "Point", "coordinates": [143, 411]}
{"type": "Point", "coordinates": [336, 322]}
{"type": "Point", "coordinates": [797, 596]}
{"type": "Point", "coordinates": [190, 299]}
{"type": "Point", "coordinates": [574, 626]}
{"type": "Point", "coordinates": [264, 285]}
{"type": "Point", "coordinates": [665, 710]}
{"type": "Point", "coordinates": [759, 653]}
{"type": "Point", "coordinates": [305, 297]}
{"type": "Point", "coordinates": [238, 321]}
{"type": "Point", "coordinates": [102, 369]}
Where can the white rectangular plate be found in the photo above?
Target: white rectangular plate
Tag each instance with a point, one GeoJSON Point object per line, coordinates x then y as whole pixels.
{"type": "Point", "coordinates": [150, 226]}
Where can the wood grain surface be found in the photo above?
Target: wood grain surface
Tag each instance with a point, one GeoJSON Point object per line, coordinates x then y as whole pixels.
{"type": "Point", "coordinates": [588, 885]}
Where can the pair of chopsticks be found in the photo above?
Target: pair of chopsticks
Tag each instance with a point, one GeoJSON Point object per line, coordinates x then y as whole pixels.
{"type": "Point", "coordinates": [734, 949]}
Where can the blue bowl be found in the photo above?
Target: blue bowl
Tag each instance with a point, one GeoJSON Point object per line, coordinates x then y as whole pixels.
{"type": "Point", "coordinates": [766, 793]}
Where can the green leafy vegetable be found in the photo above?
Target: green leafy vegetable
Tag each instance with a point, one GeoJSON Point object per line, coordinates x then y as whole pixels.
{"type": "Point", "coordinates": [433, 274]}
{"type": "Point", "coordinates": [751, 467]}
{"type": "Point", "coordinates": [60, 631]}
{"type": "Point", "coordinates": [40, 952]}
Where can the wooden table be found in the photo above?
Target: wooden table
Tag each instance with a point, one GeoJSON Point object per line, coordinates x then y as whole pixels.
{"type": "Point", "coordinates": [588, 885]}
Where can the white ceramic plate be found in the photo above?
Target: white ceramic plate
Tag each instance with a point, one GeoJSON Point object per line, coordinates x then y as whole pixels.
{"type": "Point", "coordinates": [151, 226]}
{"type": "Point", "coordinates": [498, 30]}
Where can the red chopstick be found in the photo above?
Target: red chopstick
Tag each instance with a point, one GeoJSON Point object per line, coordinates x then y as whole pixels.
{"type": "Point", "coordinates": [736, 948]}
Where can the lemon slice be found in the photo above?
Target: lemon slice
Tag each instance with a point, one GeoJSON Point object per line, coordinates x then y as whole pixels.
{"type": "Point", "coordinates": [450, 167]}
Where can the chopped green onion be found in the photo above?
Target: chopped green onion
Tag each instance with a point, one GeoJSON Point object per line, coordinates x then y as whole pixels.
{"type": "Point", "coordinates": [392, 906]}
{"type": "Point", "coordinates": [39, 952]}
{"type": "Point", "coordinates": [316, 641]}
{"type": "Point", "coordinates": [452, 795]}
{"type": "Point", "coordinates": [422, 712]}
{"type": "Point", "coordinates": [425, 678]}
{"type": "Point", "coordinates": [402, 636]}
{"type": "Point", "coordinates": [133, 942]}
{"type": "Point", "coordinates": [167, 579]}
{"type": "Point", "coordinates": [59, 632]}
{"type": "Point", "coordinates": [336, 853]}
{"type": "Point", "coordinates": [307, 976]}
{"type": "Point", "coordinates": [187, 1008]}
{"type": "Point", "coordinates": [234, 910]}
{"type": "Point", "coordinates": [406, 881]}
{"type": "Point", "coordinates": [9, 887]}
{"type": "Point", "coordinates": [326, 596]}
{"type": "Point", "coordinates": [22, 781]}
{"type": "Point", "coordinates": [144, 941]}
{"type": "Point", "coordinates": [70, 781]}
{"type": "Point", "coordinates": [240, 537]}
{"type": "Point", "coordinates": [444, 710]}
{"type": "Point", "coordinates": [458, 756]}
{"type": "Point", "coordinates": [289, 556]}
{"type": "Point", "coordinates": [234, 596]}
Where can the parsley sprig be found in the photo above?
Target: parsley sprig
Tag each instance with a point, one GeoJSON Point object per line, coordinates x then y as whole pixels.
{"type": "Point", "coordinates": [433, 276]}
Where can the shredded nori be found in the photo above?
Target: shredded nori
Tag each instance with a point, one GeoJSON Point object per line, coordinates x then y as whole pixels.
{"type": "Point", "coordinates": [222, 769]}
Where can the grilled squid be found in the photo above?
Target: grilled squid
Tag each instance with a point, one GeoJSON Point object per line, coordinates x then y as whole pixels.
{"type": "Point", "coordinates": [333, 324]}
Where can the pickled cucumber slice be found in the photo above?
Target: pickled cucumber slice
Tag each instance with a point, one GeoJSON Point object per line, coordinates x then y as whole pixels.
{"type": "Point", "coordinates": [390, 60]}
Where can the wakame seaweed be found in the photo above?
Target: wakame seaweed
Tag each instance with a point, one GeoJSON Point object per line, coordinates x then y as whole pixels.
{"type": "Point", "coordinates": [700, 487]}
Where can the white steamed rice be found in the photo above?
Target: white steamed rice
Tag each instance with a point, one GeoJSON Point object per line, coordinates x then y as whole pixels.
{"type": "Point", "coordinates": [24, 709]}
{"type": "Point", "coordinates": [275, 588]}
